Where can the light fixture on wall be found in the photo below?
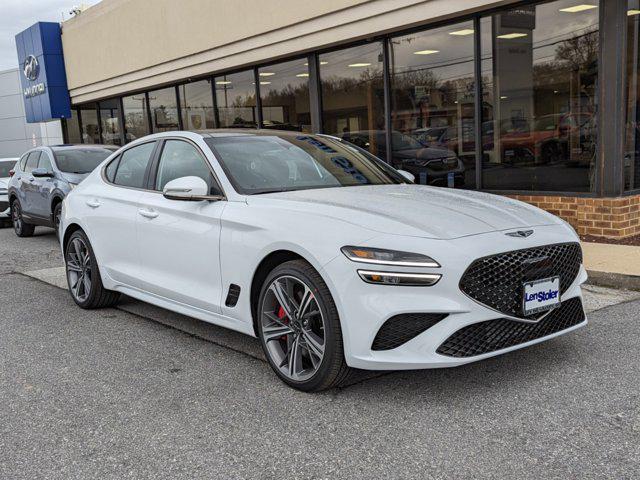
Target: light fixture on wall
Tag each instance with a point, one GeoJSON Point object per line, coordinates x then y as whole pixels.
{"type": "Point", "coordinates": [578, 8]}
{"type": "Point", "coordinates": [463, 32]}
{"type": "Point", "coordinates": [510, 36]}
{"type": "Point", "coordinates": [426, 52]}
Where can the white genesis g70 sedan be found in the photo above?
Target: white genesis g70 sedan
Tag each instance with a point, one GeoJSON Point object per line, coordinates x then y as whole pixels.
{"type": "Point", "coordinates": [336, 261]}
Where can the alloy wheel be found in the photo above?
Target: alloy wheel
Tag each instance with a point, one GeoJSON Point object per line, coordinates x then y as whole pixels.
{"type": "Point", "coordinates": [16, 217]}
{"type": "Point", "coordinates": [79, 269]}
{"type": "Point", "coordinates": [293, 328]}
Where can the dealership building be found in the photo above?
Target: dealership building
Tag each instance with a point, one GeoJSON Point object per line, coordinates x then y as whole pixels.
{"type": "Point", "coordinates": [536, 100]}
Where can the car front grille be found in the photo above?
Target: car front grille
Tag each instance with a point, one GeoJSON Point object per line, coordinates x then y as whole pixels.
{"type": "Point", "coordinates": [494, 335]}
{"type": "Point", "coordinates": [497, 280]}
{"type": "Point", "coordinates": [399, 329]}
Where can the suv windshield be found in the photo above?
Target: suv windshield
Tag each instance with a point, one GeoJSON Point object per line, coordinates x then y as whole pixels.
{"type": "Point", "coordinates": [80, 160]}
{"type": "Point", "coordinates": [275, 163]}
{"type": "Point", "coordinates": [5, 167]}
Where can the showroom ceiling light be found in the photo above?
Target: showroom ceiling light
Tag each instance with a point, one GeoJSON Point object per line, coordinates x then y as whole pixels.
{"type": "Point", "coordinates": [633, 12]}
{"type": "Point", "coordinates": [223, 82]}
{"type": "Point", "coordinates": [358, 65]}
{"type": "Point", "coordinates": [266, 74]}
{"type": "Point", "coordinates": [463, 32]}
{"type": "Point", "coordinates": [302, 75]}
{"type": "Point", "coordinates": [510, 36]}
{"type": "Point", "coordinates": [426, 52]}
{"type": "Point", "coordinates": [306, 64]}
{"type": "Point", "coordinates": [578, 8]}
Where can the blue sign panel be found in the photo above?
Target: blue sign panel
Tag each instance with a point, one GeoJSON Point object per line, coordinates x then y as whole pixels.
{"type": "Point", "coordinates": [44, 80]}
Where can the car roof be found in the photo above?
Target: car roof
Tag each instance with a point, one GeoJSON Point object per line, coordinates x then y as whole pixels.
{"type": "Point", "coordinates": [82, 146]}
{"type": "Point", "coordinates": [248, 132]}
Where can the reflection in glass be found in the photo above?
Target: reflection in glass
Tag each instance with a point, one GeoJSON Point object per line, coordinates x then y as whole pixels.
{"type": "Point", "coordinates": [540, 74]}
{"type": "Point", "coordinates": [236, 100]}
{"type": "Point", "coordinates": [136, 122]}
{"type": "Point", "coordinates": [110, 121]}
{"type": "Point", "coordinates": [73, 128]}
{"type": "Point", "coordinates": [164, 110]}
{"type": "Point", "coordinates": [353, 96]}
{"type": "Point", "coordinates": [284, 92]}
{"type": "Point", "coordinates": [632, 157]}
{"type": "Point", "coordinates": [433, 116]}
{"type": "Point", "coordinates": [196, 105]}
{"type": "Point", "coordinates": [90, 129]}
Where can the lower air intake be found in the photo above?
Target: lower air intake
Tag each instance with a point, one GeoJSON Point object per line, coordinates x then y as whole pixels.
{"type": "Point", "coordinates": [399, 329]}
{"type": "Point", "coordinates": [493, 335]}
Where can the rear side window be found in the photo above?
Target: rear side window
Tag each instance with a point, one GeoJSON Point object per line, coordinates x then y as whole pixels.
{"type": "Point", "coordinates": [110, 171]}
{"type": "Point", "coordinates": [133, 165]}
{"type": "Point", "coordinates": [32, 161]}
{"type": "Point", "coordinates": [23, 161]}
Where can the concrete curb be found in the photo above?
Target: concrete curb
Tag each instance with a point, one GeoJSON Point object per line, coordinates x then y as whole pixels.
{"type": "Point", "coordinates": [614, 280]}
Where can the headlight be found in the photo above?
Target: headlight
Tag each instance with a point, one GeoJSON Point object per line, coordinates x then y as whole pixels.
{"type": "Point", "coordinates": [388, 257]}
{"type": "Point", "coordinates": [402, 279]}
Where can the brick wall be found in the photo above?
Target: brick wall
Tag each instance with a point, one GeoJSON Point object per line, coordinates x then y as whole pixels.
{"type": "Point", "coordinates": [601, 217]}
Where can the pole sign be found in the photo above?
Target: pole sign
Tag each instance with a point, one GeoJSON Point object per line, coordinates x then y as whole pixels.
{"type": "Point", "coordinates": [42, 74]}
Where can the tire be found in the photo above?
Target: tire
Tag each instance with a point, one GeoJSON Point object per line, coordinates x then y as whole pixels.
{"type": "Point", "coordinates": [80, 264]}
{"type": "Point", "coordinates": [57, 214]}
{"type": "Point", "coordinates": [21, 228]}
{"type": "Point", "coordinates": [318, 321]}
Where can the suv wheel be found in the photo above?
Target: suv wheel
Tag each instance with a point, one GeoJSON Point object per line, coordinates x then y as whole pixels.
{"type": "Point", "coordinates": [299, 328]}
{"type": "Point", "coordinates": [21, 228]}
{"type": "Point", "coordinates": [83, 275]}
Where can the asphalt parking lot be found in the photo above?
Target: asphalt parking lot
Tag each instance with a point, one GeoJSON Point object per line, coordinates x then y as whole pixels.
{"type": "Point", "coordinates": [138, 392]}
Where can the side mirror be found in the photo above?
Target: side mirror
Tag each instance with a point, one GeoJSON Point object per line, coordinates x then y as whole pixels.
{"type": "Point", "coordinates": [409, 176]}
{"type": "Point", "coordinates": [189, 189]}
{"type": "Point", "coordinates": [41, 172]}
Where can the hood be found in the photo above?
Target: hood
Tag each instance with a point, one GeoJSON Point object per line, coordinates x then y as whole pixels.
{"type": "Point", "coordinates": [74, 177]}
{"type": "Point", "coordinates": [413, 210]}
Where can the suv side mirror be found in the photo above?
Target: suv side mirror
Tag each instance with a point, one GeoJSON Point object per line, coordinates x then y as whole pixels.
{"type": "Point", "coordinates": [189, 189]}
{"type": "Point", "coordinates": [408, 175]}
{"type": "Point", "coordinates": [41, 172]}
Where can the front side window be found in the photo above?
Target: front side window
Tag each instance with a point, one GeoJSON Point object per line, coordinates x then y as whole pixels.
{"type": "Point", "coordinates": [272, 163]}
{"type": "Point", "coordinates": [45, 162]}
{"type": "Point", "coordinates": [6, 167]}
{"type": "Point", "coordinates": [540, 80]}
{"type": "Point", "coordinates": [133, 166]}
{"type": "Point", "coordinates": [80, 160]}
{"type": "Point", "coordinates": [181, 159]}
{"type": "Point", "coordinates": [32, 161]}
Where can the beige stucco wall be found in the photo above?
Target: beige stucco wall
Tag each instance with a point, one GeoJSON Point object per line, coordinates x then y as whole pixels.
{"type": "Point", "coordinates": [119, 46]}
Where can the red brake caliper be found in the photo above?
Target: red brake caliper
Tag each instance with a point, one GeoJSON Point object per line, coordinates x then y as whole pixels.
{"type": "Point", "coordinates": [281, 315]}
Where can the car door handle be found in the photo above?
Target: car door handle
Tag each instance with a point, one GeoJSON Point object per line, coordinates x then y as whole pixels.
{"type": "Point", "coordinates": [93, 203]}
{"type": "Point", "coordinates": [148, 213]}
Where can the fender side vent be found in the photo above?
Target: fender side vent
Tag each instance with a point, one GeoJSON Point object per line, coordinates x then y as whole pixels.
{"type": "Point", "coordinates": [233, 295]}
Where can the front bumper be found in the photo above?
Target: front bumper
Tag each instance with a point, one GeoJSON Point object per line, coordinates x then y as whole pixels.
{"type": "Point", "coordinates": [364, 308]}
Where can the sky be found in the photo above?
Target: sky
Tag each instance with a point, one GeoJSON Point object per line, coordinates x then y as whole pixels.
{"type": "Point", "coordinates": [16, 15]}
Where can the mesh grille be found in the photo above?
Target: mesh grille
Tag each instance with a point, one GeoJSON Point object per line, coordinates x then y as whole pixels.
{"type": "Point", "coordinates": [497, 281]}
{"type": "Point", "coordinates": [493, 335]}
{"type": "Point", "coordinates": [400, 329]}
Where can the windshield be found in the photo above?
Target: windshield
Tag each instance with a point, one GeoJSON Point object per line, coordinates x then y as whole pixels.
{"type": "Point", "coordinates": [80, 160]}
{"type": "Point", "coordinates": [273, 163]}
{"type": "Point", "coordinates": [5, 166]}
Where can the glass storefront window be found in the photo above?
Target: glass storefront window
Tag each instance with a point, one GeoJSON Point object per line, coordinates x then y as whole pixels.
{"type": "Point", "coordinates": [632, 157]}
{"type": "Point", "coordinates": [236, 100]}
{"type": "Point", "coordinates": [353, 96]}
{"type": "Point", "coordinates": [164, 110]}
{"type": "Point", "coordinates": [89, 121]}
{"type": "Point", "coordinates": [540, 79]}
{"type": "Point", "coordinates": [433, 105]}
{"type": "Point", "coordinates": [196, 105]}
{"type": "Point", "coordinates": [72, 128]}
{"type": "Point", "coordinates": [284, 94]}
{"type": "Point", "coordinates": [136, 122]}
{"type": "Point", "coordinates": [110, 121]}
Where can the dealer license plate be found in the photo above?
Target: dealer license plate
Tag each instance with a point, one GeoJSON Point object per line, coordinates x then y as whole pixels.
{"type": "Point", "coordinates": [541, 295]}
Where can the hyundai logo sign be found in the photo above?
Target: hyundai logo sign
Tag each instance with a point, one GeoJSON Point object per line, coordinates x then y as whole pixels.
{"type": "Point", "coordinates": [31, 68]}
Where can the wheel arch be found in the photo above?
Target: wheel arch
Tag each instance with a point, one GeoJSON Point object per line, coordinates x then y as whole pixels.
{"type": "Point", "coordinates": [70, 230]}
{"type": "Point", "coordinates": [55, 200]}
